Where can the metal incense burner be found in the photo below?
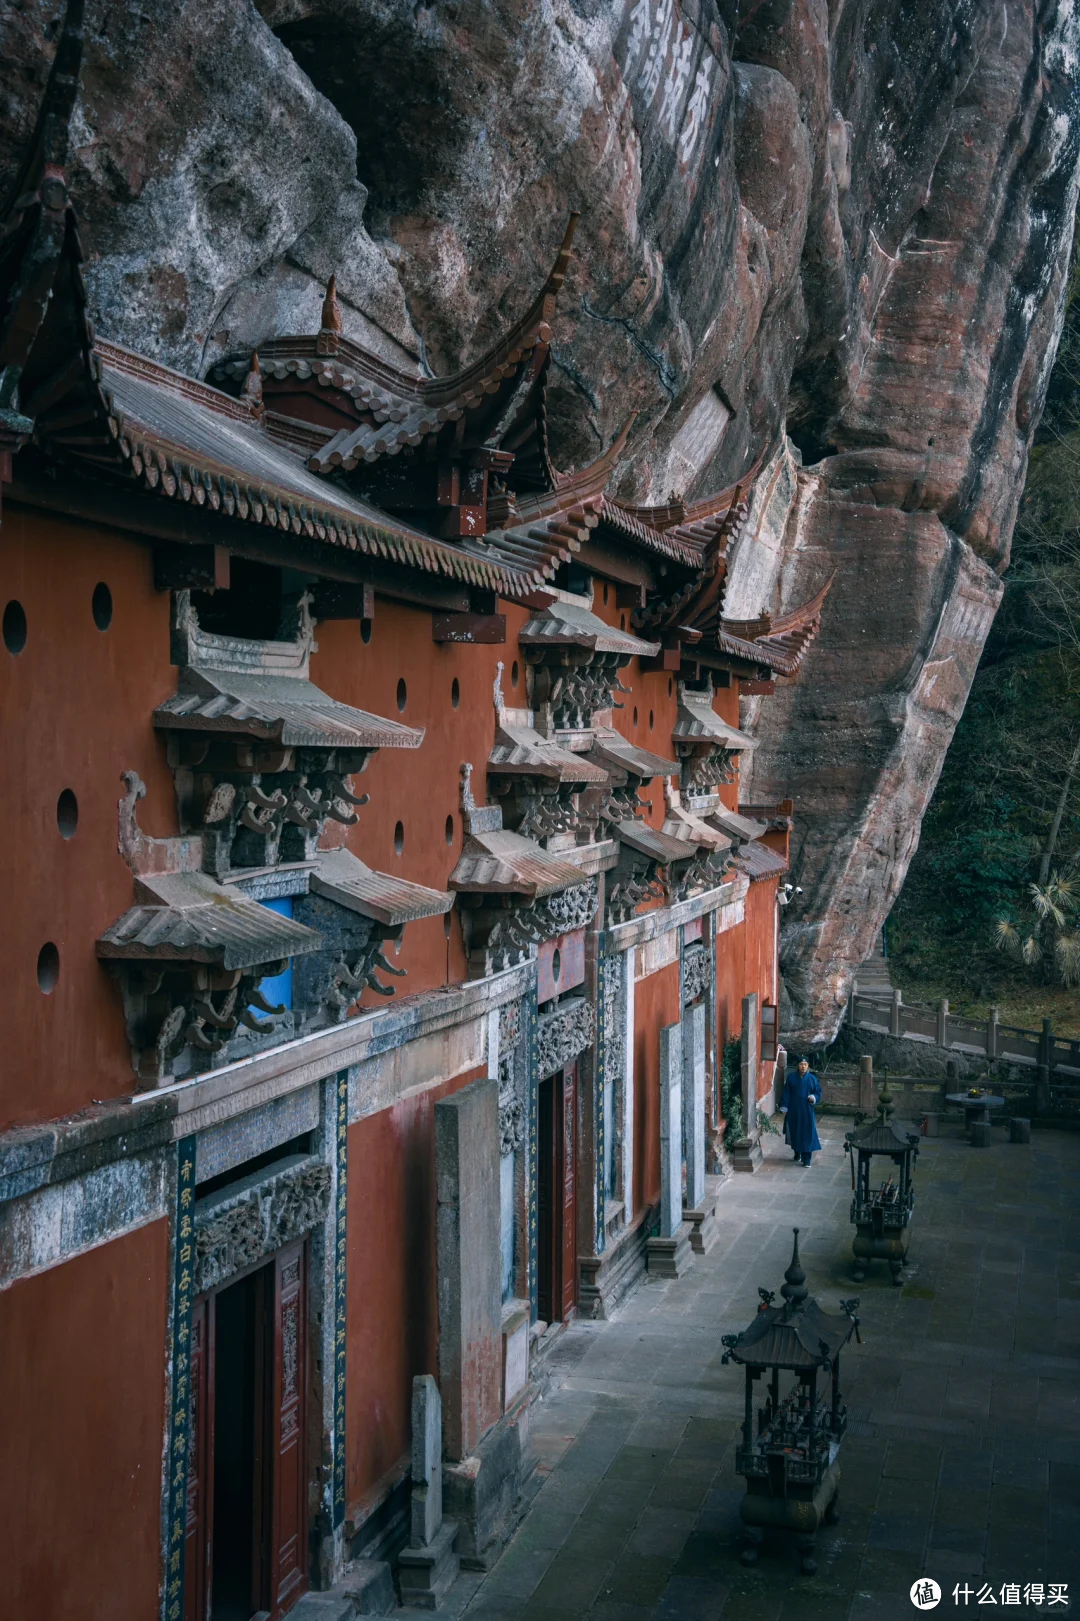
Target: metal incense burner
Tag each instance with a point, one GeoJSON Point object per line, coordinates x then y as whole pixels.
{"type": "Point", "coordinates": [790, 1465]}
{"type": "Point", "coordinates": [882, 1214]}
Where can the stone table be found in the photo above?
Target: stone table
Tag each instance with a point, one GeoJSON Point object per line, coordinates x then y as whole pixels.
{"type": "Point", "coordinates": [976, 1113]}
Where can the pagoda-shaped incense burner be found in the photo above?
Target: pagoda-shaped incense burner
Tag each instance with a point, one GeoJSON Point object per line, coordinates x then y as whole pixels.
{"type": "Point", "coordinates": [789, 1458]}
{"type": "Point", "coordinates": [882, 1214]}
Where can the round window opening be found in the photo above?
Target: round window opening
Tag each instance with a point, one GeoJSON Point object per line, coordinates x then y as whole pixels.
{"type": "Point", "coordinates": [652, 720]}
{"type": "Point", "coordinates": [635, 714]}
{"type": "Point", "coordinates": [446, 924]}
{"type": "Point", "coordinates": [14, 627]}
{"type": "Point", "coordinates": [67, 814]}
{"type": "Point", "coordinates": [622, 621]}
{"type": "Point", "coordinates": [402, 695]}
{"type": "Point", "coordinates": [515, 674]}
{"type": "Point", "coordinates": [365, 630]}
{"type": "Point", "coordinates": [670, 686]}
{"type": "Point", "coordinates": [556, 965]}
{"type": "Point", "coordinates": [101, 606]}
{"type": "Point", "coordinates": [449, 830]}
{"type": "Point", "coordinates": [399, 837]}
{"type": "Point", "coordinates": [455, 692]}
{"type": "Point", "coordinates": [48, 968]}
{"type": "Point", "coordinates": [605, 594]}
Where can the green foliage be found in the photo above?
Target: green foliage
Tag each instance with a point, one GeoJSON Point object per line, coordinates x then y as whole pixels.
{"type": "Point", "coordinates": [731, 1090]}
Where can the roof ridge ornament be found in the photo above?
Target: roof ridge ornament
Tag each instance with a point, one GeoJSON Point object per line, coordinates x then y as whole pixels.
{"type": "Point", "coordinates": [331, 308]}
{"type": "Point", "coordinates": [794, 1288]}
{"type": "Point", "coordinates": [252, 390]}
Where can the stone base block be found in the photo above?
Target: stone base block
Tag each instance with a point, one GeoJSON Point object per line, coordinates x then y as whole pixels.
{"type": "Point", "coordinates": [425, 1575]}
{"type": "Point", "coordinates": [1019, 1130]}
{"type": "Point", "coordinates": [606, 1279]}
{"type": "Point", "coordinates": [484, 1492]}
{"type": "Point", "coordinates": [746, 1155]}
{"type": "Point", "coordinates": [670, 1257]}
{"type": "Point", "coordinates": [367, 1588]}
{"type": "Point", "coordinates": [979, 1134]}
{"type": "Point", "coordinates": [703, 1229]}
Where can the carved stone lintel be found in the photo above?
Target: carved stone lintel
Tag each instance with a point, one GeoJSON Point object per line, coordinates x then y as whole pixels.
{"type": "Point", "coordinates": [696, 965]}
{"type": "Point", "coordinates": [561, 1035]}
{"type": "Point", "coordinates": [509, 935]}
{"type": "Point", "coordinates": [238, 1231]}
{"type": "Point", "coordinates": [512, 1123]}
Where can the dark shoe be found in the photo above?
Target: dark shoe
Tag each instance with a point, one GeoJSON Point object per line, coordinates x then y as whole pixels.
{"type": "Point", "coordinates": [794, 1156]}
{"type": "Point", "coordinates": [805, 1162]}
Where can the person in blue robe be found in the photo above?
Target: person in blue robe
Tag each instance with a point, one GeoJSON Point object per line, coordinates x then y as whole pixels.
{"type": "Point", "coordinates": [802, 1089]}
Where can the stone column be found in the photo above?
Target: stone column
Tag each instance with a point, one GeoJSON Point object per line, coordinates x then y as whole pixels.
{"type": "Point", "coordinates": [669, 1254]}
{"type": "Point", "coordinates": [865, 1100]}
{"type": "Point", "coordinates": [428, 1566]}
{"type": "Point", "coordinates": [627, 1082]}
{"type": "Point", "coordinates": [467, 1244]}
{"type": "Point", "coordinates": [693, 1098]}
{"type": "Point", "coordinates": [700, 1208]}
{"type": "Point", "coordinates": [746, 1154]}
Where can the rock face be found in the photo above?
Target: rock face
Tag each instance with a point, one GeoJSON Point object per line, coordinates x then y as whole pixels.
{"type": "Point", "coordinates": [833, 234]}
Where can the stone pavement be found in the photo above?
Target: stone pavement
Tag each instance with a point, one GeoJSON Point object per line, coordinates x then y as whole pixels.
{"type": "Point", "coordinates": [962, 1456]}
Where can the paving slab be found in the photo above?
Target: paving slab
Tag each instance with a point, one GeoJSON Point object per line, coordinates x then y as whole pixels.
{"type": "Point", "coordinates": [962, 1458]}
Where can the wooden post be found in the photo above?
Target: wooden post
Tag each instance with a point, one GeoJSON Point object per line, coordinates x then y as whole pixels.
{"type": "Point", "coordinates": [992, 1032]}
{"type": "Point", "coordinates": [894, 1023]}
{"type": "Point", "coordinates": [1042, 1082]}
{"type": "Point", "coordinates": [942, 1020]}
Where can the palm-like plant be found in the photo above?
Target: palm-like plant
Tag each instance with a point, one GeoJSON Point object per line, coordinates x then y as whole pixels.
{"type": "Point", "coordinates": [1048, 938]}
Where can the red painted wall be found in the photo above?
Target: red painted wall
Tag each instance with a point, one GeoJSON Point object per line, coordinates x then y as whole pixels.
{"type": "Point", "coordinates": [656, 1003]}
{"type": "Point", "coordinates": [75, 710]}
{"type": "Point", "coordinates": [82, 1418]}
{"type": "Point", "coordinates": [393, 1313]}
{"type": "Point", "coordinates": [746, 961]}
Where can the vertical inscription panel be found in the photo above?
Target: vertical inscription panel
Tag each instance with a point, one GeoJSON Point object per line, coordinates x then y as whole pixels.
{"type": "Point", "coordinates": [176, 1533]}
{"type": "Point", "coordinates": [340, 1291]}
{"type": "Point", "coordinates": [532, 1081]}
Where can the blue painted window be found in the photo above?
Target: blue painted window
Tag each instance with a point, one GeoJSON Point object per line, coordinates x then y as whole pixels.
{"type": "Point", "coordinates": [278, 990]}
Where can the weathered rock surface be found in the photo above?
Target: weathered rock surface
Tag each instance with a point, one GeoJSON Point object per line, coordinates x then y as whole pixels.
{"type": "Point", "coordinates": [846, 220]}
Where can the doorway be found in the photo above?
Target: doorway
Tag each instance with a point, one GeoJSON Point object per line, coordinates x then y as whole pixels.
{"type": "Point", "coordinates": [556, 1197]}
{"type": "Point", "coordinates": [246, 1549]}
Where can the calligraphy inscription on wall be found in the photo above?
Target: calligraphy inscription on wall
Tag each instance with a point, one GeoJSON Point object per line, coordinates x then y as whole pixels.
{"type": "Point", "coordinates": [671, 73]}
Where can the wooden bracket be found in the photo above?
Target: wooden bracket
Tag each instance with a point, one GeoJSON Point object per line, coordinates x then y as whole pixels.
{"type": "Point", "coordinates": [468, 627]}
{"type": "Point", "coordinates": [200, 568]}
{"type": "Point", "coordinates": [336, 601]}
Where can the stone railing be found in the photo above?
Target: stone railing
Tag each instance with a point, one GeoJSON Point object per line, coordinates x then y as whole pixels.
{"type": "Point", "coordinates": [1057, 1056]}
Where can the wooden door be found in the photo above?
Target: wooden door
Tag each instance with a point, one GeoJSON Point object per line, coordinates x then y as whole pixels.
{"type": "Point", "coordinates": [288, 1450]}
{"type": "Point", "coordinates": [200, 1480]}
{"type": "Point", "coordinates": [568, 1190]}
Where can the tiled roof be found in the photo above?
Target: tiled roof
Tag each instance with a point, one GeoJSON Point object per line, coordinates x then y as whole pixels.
{"type": "Point", "coordinates": [189, 917]}
{"type": "Point", "coordinates": [505, 863]}
{"type": "Point", "coordinates": [659, 847]}
{"type": "Point", "coordinates": [612, 751]}
{"type": "Point", "coordinates": [340, 876]}
{"type": "Point", "coordinates": [738, 827]}
{"type": "Point", "coordinates": [698, 722]}
{"type": "Point", "coordinates": [760, 861]}
{"type": "Point", "coordinates": [566, 624]}
{"type": "Point", "coordinates": [521, 751]}
{"type": "Point", "coordinates": [289, 710]}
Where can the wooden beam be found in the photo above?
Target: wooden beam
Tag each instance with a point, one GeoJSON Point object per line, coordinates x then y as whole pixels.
{"type": "Point", "coordinates": [612, 564]}
{"type": "Point", "coordinates": [336, 601]}
{"type": "Point", "coordinates": [151, 518]}
{"type": "Point", "coordinates": [202, 568]}
{"type": "Point", "coordinates": [468, 627]}
{"type": "Point", "coordinates": [757, 689]}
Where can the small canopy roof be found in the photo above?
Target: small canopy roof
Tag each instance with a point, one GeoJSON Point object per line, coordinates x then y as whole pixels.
{"type": "Point", "coordinates": [283, 709]}
{"type": "Point", "coordinates": [698, 722]}
{"type": "Point", "coordinates": [521, 751]}
{"type": "Point", "coordinates": [796, 1335]}
{"type": "Point", "coordinates": [759, 861]}
{"type": "Point", "coordinates": [659, 847]}
{"type": "Point", "coordinates": [568, 624]}
{"type": "Point", "coordinates": [501, 863]}
{"type": "Point", "coordinates": [190, 917]}
{"type": "Point", "coordinates": [615, 754]}
{"type": "Point", "coordinates": [340, 876]}
{"type": "Point", "coordinates": [738, 827]}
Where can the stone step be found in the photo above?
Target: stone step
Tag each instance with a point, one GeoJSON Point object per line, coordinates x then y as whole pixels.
{"type": "Point", "coordinates": [367, 1588]}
